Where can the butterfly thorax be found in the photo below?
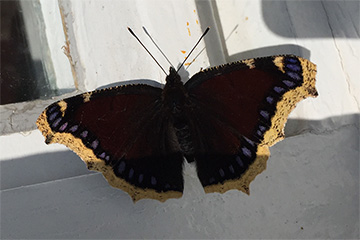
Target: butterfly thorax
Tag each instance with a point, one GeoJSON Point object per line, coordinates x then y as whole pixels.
{"type": "Point", "coordinates": [176, 100]}
{"type": "Point", "coordinates": [174, 94]}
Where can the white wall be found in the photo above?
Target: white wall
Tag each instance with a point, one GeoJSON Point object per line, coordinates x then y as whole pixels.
{"type": "Point", "coordinates": [311, 186]}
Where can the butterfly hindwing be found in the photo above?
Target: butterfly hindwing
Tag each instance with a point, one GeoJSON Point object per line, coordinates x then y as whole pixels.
{"type": "Point", "coordinates": [246, 105]}
{"type": "Point", "coordinates": [222, 172]}
{"type": "Point", "coordinates": [117, 132]}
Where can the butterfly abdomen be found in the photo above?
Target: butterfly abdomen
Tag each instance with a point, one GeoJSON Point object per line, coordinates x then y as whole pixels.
{"type": "Point", "coordinates": [184, 136]}
{"type": "Point", "coordinates": [180, 123]}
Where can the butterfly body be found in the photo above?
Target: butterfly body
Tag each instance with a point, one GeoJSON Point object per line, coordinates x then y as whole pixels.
{"type": "Point", "coordinates": [224, 119]}
{"type": "Point", "coordinates": [177, 106]}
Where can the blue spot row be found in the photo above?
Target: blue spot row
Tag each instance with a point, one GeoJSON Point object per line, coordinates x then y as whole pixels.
{"type": "Point", "coordinates": [237, 164]}
{"type": "Point", "coordinates": [293, 78]}
{"type": "Point", "coordinates": [129, 174]}
{"type": "Point", "coordinates": [293, 70]}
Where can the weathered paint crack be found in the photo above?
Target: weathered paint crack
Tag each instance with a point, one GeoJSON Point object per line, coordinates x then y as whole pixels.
{"type": "Point", "coordinates": [347, 78]}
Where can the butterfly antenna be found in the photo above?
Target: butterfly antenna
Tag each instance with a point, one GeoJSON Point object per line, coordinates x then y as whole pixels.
{"type": "Point", "coordinates": [132, 33]}
{"type": "Point", "coordinates": [202, 36]}
{"type": "Point", "coordinates": [162, 53]}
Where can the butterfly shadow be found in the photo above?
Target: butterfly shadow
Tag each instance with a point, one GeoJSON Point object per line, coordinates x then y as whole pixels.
{"type": "Point", "coordinates": [134, 82]}
{"type": "Point", "coordinates": [272, 50]}
{"type": "Point", "coordinates": [184, 74]}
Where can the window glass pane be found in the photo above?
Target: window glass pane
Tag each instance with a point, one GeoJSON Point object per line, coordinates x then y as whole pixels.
{"type": "Point", "coordinates": [26, 69]}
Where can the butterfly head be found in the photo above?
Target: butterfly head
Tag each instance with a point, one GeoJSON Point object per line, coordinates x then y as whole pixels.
{"type": "Point", "coordinates": [173, 78]}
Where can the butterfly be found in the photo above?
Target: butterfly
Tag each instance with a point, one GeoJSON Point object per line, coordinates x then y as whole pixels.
{"type": "Point", "coordinates": [223, 119]}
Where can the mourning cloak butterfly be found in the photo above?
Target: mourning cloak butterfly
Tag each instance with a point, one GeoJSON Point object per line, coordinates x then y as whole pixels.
{"type": "Point", "coordinates": [224, 119]}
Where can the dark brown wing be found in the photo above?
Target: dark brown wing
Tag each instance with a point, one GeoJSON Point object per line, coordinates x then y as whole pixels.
{"type": "Point", "coordinates": [239, 110]}
{"type": "Point", "coordinates": [120, 132]}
